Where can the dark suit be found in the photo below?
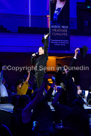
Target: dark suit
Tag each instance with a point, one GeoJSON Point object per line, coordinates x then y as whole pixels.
{"type": "Point", "coordinates": [40, 64]}
{"type": "Point", "coordinates": [71, 88]}
{"type": "Point", "coordinates": [63, 17]}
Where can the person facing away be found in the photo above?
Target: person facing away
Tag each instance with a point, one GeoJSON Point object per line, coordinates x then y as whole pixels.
{"type": "Point", "coordinates": [23, 111]}
{"type": "Point", "coordinates": [70, 86]}
{"type": "Point", "coordinates": [39, 61]}
{"type": "Point", "coordinates": [75, 117]}
{"type": "Point", "coordinates": [22, 86]}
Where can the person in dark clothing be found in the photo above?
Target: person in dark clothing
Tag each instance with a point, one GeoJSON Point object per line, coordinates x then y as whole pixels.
{"type": "Point", "coordinates": [43, 114]}
{"type": "Point", "coordinates": [23, 112]}
{"type": "Point", "coordinates": [59, 12]}
{"type": "Point", "coordinates": [40, 61]}
{"type": "Point", "coordinates": [69, 86]}
{"type": "Point", "coordinates": [18, 126]}
{"type": "Point", "coordinates": [59, 75]}
{"type": "Point", "coordinates": [74, 118]}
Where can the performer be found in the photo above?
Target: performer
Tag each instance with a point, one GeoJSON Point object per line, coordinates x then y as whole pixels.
{"type": "Point", "coordinates": [39, 60]}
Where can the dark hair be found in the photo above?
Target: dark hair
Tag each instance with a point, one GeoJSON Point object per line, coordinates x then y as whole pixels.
{"type": "Point", "coordinates": [19, 81]}
{"type": "Point", "coordinates": [23, 100]}
{"type": "Point", "coordinates": [41, 47]}
{"type": "Point", "coordinates": [20, 101]}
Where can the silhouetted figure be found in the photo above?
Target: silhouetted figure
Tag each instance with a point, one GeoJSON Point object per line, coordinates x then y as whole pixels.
{"type": "Point", "coordinates": [40, 60]}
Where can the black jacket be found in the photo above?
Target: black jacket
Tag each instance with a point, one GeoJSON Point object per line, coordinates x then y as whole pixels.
{"type": "Point", "coordinates": [63, 17]}
{"type": "Point", "coordinates": [40, 61]}
{"type": "Point", "coordinates": [71, 88]}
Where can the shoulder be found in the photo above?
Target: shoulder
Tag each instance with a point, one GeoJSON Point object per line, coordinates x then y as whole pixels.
{"type": "Point", "coordinates": [52, 5]}
{"type": "Point", "coordinates": [25, 83]}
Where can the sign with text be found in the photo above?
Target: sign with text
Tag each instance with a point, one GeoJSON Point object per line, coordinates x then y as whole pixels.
{"type": "Point", "coordinates": [59, 25]}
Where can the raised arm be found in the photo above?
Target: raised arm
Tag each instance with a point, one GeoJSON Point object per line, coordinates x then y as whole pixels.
{"type": "Point", "coordinates": [73, 61]}
{"type": "Point", "coordinates": [59, 93]}
{"type": "Point", "coordinates": [48, 95]}
{"type": "Point", "coordinates": [33, 58]}
{"type": "Point", "coordinates": [45, 42]}
{"type": "Point", "coordinates": [26, 112]}
{"type": "Point", "coordinates": [75, 57]}
{"type": "Point", "coordinates": [28, 76]}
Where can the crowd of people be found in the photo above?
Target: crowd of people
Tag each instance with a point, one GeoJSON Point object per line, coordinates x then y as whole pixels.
{"type": "Point", "coordinates": [32, 113]}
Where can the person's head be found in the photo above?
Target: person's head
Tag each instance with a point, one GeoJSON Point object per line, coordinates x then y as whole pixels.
{"type": "Point", "coordinates": [20, 83]}
{"type": "Point", "coordinates": [23, 100]}
{"type": "Point", "coordinates": [41, 50]}
{"type": "Point", "coordinates": [20, 101]}
{"type": "Point", "coordinates": [65, 69]}
{"type": "Point", "coordinates": [59, 67]}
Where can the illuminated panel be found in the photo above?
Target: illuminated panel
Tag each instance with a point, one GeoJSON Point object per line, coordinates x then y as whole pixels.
{"type": "Point", "coordinates": [59, 25]}
{"type": "Point", "coordinates": [51, 63]}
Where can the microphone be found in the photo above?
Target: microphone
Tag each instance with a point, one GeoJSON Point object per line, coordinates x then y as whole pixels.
{"type": "Point", "coordinates": [37, 53]}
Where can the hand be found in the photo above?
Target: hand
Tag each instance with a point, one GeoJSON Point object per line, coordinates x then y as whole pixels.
{"type": "Point", "coordinates": [79, 92]}
{"type": "Point", "coordinates": [33, 54]}
{"type": "Point", "coordinates": [76, 52]}
{"type": "Point", "coordinates": [28, 72]}
{"type": "Point", "coordinates": [46, 36]}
